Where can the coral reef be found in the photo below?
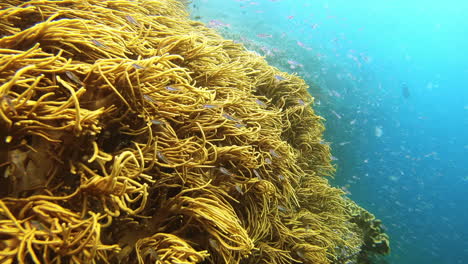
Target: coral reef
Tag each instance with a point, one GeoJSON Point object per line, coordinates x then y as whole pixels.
{"type": "Point", "coordinates": [131, 134]}
{"type": "Point", "coordinates": [375, 241]}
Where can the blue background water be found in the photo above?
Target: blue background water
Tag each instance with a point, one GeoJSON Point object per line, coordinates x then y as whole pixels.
{"type": "Point", "coordinates": [404, 159]}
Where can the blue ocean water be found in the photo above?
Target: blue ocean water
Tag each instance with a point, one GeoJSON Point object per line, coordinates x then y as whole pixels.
{"type": "Point", "coordinates": [391, 79]}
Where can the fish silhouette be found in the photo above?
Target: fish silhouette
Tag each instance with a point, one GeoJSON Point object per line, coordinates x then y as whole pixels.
{"type": "Point", "coordinates": [405, 90]}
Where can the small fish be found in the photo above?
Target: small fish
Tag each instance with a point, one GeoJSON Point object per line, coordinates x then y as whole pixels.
{"type": "Point", "coordinates": [281, 177]}
{"type": "Point", "coordinates": [282, 208]}
{"type": "Point", "coordinates": [378, 131]}
{"type": "Point", "coordinates": [257, 174]}
{"type": "Point", "coordinates": [154, 255]}
{"type": "Point", "coordinates": [131, 20]}
{"type": "Point", "coordinates": [41, 227]}
{"type": "Point", "coordinates": [344, 143]}
{"type": "Point", "coordinates": [99, 44]}
{"type": "Point", "coordinates": [268, 161]}
{"type": "Point", "coordinates": [239, 189]}
{"type": "Point", "coordinates": [294, 63]}
{"type": "Point", "coordinates": [301, 102]}
{"type": "Point", "coordinates": [261, 35]}
{"type": "Point", "coordinates": [230, 117]}
{"type": "Point", "coordinates": [8, 100]}
{"type": "Point", "coordinates": [334, 158]}
{"type": "Point", "coordinates": [279, 78]}
{"type": "Point", "coordinates": [157, 122]}
{"type": "Point", "coordinates": [217, 24]}
{"type": "Point", "coordinates": [225, 171]}
{"type": "Point", "coordinates": [38, 225]}
{"type": "Point", "coordinates": [336, 114]}
{"type": "Point", "coordinates": [137, 66]}
{"type": "Point", "coordinates": [162, 157]}
{"type": "Point", "coordinates": [274, 154]}
{"type": "Point", "coordinates": [260, 103]}
{"type": "Point", "coordinates": [405, 90]}
{"type": "Point", "coordinates": [300, 254]}
{"type": "Point", "coordinates": [172, 89]}
{"type": "Point", "coordinates": [210, 106]}
{"type": "Point", "coordinates": [73, 77]}
{"type": "Point", "coordinates": [213, 243]}
{"type": "Point", "coordinates": [239, 125]}
{"type": "Point", "coordinates": [149, 99]}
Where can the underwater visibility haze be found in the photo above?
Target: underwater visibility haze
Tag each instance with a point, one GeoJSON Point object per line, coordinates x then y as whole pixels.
{"type": "Point", "coordinates": [391, 79]}
{"type": "Point", "coordinates": [233, 131]}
